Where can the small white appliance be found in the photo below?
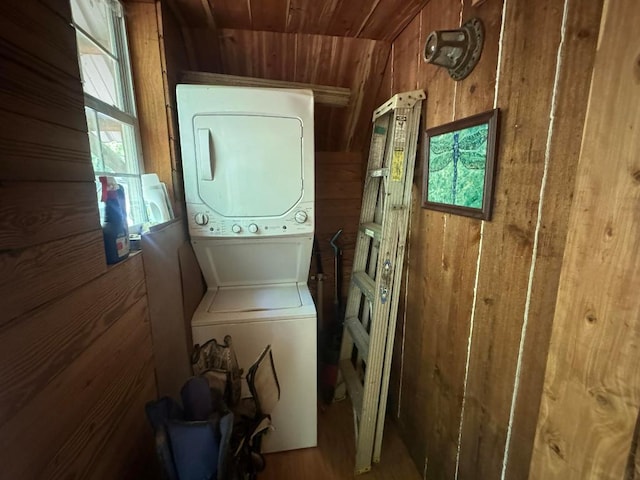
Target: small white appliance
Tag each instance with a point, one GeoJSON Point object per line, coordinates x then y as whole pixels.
{"type": "Point", "coordinates": [156, 199]}
{"type": "Point", "coordinates": [248, 166]}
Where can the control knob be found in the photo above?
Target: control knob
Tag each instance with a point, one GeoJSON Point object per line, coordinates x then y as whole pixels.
{"type": "Point", "coordinates": [236, 228]}
{"type": "Point", "coordinates": [300, 216]}
{"type": "Point", "coordinates": [201, 218]}
{"type": "Point", "coordinates": [253, 228]}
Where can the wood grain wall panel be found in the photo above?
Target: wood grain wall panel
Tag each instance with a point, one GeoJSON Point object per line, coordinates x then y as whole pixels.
{"type": "Point", "coordinates": [525, 92]}
{"type": "Point", "coordinates": [31, 277]}
{"type": "Point", "coordinates": [404, 66]}
{"type": "Point", "coordinates": [365, 87]}
{"type": "Point", "coordinates": [591, 394]}
{"type": "Point", "coordinates": [62, 330]}
{"type": "Point", "coordinates": [32, 149]}
{"type": "Point", "coordinates": [70, 326]}
{"type": "Point", "coordinates": [45, 35]}
{"type": "Point", "coordinates": [564, 149]}
{"type": "Point", "coordinates": [41, 92]}
{"type": "Point", "coordinates": [38, 212]}
{"type": "Point", "coordinates": [31, 439]}
{"type": "Point", "coordinates": [338, 198]}
{"type": "Point", "coordinates": [133, 438]}
{"type": "Point", "coordinates": [442, 255]}
{"type": "Point", "coordinates": [132, 389]}
{"type": "Point", "coordinates": [406, 57]}
{"type": "Point", "coordinates": [60, 7]}
{"type": "Point", "coordinates": [429, 331]}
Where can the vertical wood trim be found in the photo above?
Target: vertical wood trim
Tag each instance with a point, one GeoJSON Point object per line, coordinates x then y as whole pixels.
{"type": "Point", "coordinates": [536, 235]}
{"type": "Point", "coordinates": [146, 62]}
{"type": "Point", "coordinates": [591, 398]}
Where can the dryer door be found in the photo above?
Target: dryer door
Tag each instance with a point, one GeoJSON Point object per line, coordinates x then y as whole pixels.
{"type": "Point", "coordinates": [249, 165]}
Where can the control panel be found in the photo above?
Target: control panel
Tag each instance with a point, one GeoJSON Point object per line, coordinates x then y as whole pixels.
{"type": "Point", "coordinates": [205, 223]}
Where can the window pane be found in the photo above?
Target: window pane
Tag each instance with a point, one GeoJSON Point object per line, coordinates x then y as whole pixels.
{"type": "Point", "coordinates": [118, 146]}
{"type": "Point", "coordinates": [95, 18]}
{"type": "Point", "coordinates": [100, 77]}
{"type": "Point", "coordinates": [94, 140]}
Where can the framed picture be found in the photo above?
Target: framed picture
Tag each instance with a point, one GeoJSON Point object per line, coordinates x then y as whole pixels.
{"type": "Point", "coordinates": [459, 166]}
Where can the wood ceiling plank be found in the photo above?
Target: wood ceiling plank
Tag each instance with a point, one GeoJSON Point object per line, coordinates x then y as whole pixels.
{"type": "Point", "coordinates": [269, 15]}
{"type": "Point", "coordinates": [390, 17]}
{"type": "Point", "coordinates": [310, 16]}
{"type": "Point", "coordinates": [195, 13]}
{"type": "Point", "coordinates": [258, 54]}
{"type": "Point", "coordinates": [349, 18]}
{"type": "Point", "coordinates": [232, 13]}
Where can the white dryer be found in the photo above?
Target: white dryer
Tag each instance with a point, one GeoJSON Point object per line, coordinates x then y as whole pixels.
{"type": "Point", "coordinates": [248, 166]}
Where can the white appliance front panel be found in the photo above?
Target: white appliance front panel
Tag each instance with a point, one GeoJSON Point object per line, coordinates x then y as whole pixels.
{"type": "Point", "coordinates": [293, 343]}
{"type": "Point", "coordinates": [253, 261]}
{"type": "Point", "coordinates": [249, 165]}
{"type": "Point", "coordinates": [248, 160]}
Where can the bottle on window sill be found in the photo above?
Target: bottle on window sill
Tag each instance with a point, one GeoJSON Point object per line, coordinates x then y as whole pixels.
{"type": "Point", "coordinates": [115, 230]}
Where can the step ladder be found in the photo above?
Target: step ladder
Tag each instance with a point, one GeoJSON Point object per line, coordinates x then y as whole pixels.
{"type": "Point", "coordinates": [372, 303]}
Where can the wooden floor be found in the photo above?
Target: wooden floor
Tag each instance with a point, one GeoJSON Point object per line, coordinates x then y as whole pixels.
{"type": "Point", "coordinates": [335, 455]}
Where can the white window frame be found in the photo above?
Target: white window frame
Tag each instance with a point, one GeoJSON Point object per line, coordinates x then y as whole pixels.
{"type": "Point", "coordinates": [124, 85]}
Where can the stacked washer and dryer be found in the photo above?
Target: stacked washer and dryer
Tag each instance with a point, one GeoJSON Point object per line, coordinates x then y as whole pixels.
{"type": "Point", "coordinates": [248, 166]}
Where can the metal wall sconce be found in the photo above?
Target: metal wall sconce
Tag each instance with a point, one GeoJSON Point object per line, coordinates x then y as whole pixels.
{"type": "Point", "coordinates": [456, 50]}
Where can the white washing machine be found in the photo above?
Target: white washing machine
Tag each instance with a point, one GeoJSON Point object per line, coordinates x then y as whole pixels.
{"type": "Point", "coordinates": [248, 165]}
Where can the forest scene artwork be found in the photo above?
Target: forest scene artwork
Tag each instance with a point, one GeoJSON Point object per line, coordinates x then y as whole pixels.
{"type": "Point", "coordinates": [459, 166]}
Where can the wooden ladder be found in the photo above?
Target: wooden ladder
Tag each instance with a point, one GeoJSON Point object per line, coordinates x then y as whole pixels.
{"type": "Point", "coordinates": [372, 304]}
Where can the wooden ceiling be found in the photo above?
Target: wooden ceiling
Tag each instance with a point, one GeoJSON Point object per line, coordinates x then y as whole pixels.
{"type": "Point", "coordinates": [372, 19]}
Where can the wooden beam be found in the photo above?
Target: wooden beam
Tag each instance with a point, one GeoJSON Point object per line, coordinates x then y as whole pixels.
{"type": "Point", "coordinates": [324, 94]}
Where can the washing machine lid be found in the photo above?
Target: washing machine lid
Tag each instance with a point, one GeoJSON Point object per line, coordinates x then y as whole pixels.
{"type": "Point", "coordinates": [255, 298]}
{"type": "Point", "coordinates": [249, 165]}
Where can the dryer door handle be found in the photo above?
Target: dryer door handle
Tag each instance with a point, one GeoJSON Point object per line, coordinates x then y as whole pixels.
{"type": "Point", "coordinates": [205, 157]}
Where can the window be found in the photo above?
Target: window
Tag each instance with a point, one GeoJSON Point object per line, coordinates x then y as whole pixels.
{"type": "Point", "coordinates": [109, 101]}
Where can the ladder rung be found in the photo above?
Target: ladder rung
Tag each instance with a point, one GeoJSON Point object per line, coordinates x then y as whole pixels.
{"type": "Point", "coordinates": [365, 284]}
{"type": "Point", "coordinates": [372, 229]}
{"type": "Point", "coordinates": [379, 172]}
{"type": "Point", "coordinates": [354, 387]}
{"type": "Point", "coordinates": [359, 335]}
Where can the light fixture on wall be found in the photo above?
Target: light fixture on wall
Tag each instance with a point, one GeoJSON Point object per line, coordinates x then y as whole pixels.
{"type": "Point", "coordinates": [456, 50]}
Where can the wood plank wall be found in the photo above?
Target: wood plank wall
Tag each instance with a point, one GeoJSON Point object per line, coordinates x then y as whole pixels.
{"type": "Point", "coordinates": [76, 364]}
{"type": "Point", "coordinates": [480, 296]}
{"type": "Point", "coordinates": [338, 197]}
{"type": "Point", "coordinates": [588, 422]}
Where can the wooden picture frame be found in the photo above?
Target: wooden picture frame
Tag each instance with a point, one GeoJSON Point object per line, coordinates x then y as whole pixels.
{"type": "Point", "coordinates": [460, 164]}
